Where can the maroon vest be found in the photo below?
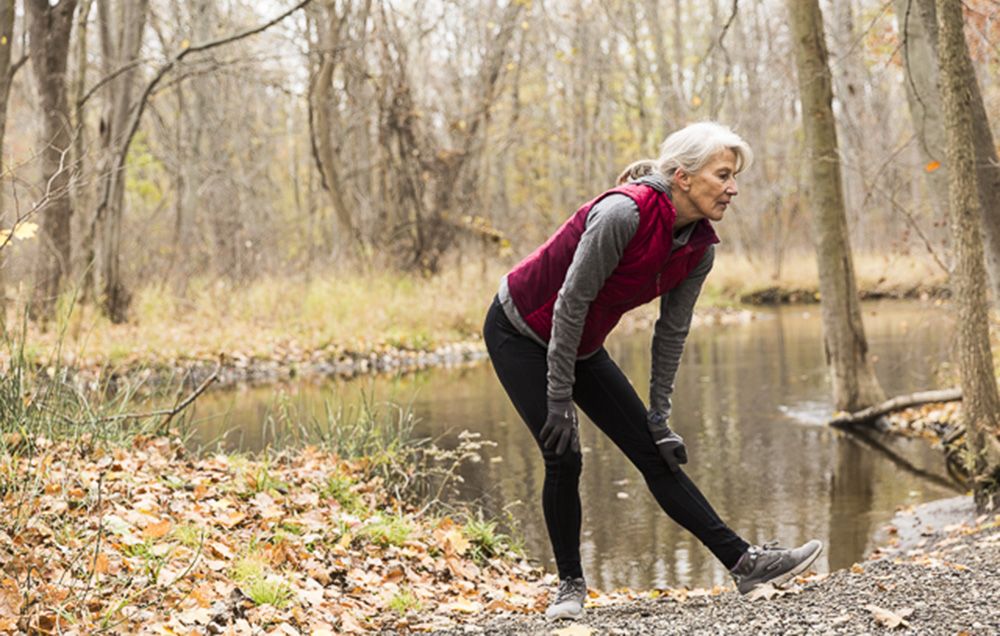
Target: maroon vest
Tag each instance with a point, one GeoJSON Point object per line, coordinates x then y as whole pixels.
{"type": "Point", "coordinates": [646, 270]}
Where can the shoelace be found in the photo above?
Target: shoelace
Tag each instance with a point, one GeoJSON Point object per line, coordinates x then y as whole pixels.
{"type": "Point", "coordinates": [756, 550]}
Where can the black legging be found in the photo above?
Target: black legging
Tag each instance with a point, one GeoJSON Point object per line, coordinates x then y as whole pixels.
{"type": "Point", "coordinates": [605, 395]}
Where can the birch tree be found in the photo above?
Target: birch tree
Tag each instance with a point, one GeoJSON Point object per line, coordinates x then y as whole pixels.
{"type": "Point", "coordinates": [853, 376]}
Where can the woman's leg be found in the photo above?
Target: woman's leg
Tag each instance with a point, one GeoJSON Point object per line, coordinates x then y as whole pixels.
{"type": "Point", "coordinates": [520, 364]}
{"type": "Point", "coordinates": [607, 397]}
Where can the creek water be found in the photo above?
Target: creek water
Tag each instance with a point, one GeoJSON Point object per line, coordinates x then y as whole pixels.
{"type": "Point", "coordinates": [750, 400]}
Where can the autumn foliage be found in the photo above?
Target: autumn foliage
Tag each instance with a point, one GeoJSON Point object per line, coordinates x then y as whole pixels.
{"type": "Point", "coordinates": [150, 539]}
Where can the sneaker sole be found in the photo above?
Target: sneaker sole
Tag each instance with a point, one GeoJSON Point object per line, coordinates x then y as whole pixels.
{"type": "Point", "coordinates": [564, 614]}
{"type": "Point", "coordinates": [781, 579]}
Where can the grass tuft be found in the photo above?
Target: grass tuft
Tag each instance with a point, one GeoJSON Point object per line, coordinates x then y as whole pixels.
{"type": "Point", "coordinates": [404, 601]}
{"type": "Point", "coordinates": [384, 531]}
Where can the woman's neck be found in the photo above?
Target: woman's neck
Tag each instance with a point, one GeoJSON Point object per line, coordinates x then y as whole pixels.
{"type": "Point", "coordinates": [686, 213]}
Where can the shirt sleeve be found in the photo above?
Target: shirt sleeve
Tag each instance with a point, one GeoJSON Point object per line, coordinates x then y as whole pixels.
{"type": "Point", "coordinates": [670, 332]}
{"type": "Point", "coordinates": [611, 224]}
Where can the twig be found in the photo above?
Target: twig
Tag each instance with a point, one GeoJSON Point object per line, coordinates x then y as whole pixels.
{"type": "Point", "coordinates": [191, 398]}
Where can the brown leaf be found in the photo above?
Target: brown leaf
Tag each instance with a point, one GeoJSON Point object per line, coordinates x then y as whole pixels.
{"type": "Point", "coordinates": [156, 530]}
{"type": "Point", "coordinates": [463, 605]}
{"type": "Point", "coordinates": [232, 519]}
{"type": "Point", "coordinates": [889, 618]}
{"type": "Point", "coordinates": [573, 630]}
{"type": "Point", "coordinates": [10, 602]}
{"type": "Point", "coordinates": [101, 564]}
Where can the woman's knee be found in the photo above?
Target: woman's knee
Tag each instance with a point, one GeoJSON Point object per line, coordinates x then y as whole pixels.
{"type": "Point", "coordinates": [569, 464]}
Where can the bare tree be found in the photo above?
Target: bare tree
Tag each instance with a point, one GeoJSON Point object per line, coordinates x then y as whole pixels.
{"type": "Point", "coordinates": [431, 180]}
{"type": "Point", "coordinates": [980, 400]}
{"type": "Point", "coordinates": [121, 27]}
{"type": "Point", "coordinates": [49, 29]}
{"type": "Point", "coordinates": [8, 68]}
{"type": "Point", "coordinates": [919, 26]}
{"type": "Point", "coordinates": [323, 112]}
{"type": "Point", "coordinates": [854, 382]}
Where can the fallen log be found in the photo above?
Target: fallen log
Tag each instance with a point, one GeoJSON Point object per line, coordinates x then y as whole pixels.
{"type": "Point", "coordinates": [872, 413]}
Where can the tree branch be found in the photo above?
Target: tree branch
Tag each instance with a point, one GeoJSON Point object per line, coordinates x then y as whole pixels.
{"type": "Point", "coordinates": [140, 107]}
{"type": "Point", "coordinates": [868, 415]}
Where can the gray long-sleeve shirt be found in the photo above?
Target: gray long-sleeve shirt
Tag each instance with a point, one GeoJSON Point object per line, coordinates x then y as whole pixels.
{"type": "Point", "coordinates": [610, 225]}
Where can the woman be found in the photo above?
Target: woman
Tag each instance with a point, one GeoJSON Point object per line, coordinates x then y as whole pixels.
{"type": "Point", "coordinates": [650, 236]}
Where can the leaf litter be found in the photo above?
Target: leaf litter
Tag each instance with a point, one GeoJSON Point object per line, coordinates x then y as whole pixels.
{"type": "Point", "coordinates": [153, 540]}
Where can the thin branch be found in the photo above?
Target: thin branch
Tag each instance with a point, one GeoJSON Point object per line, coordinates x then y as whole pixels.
{"type": "Point", "coordinates": [140, 108]}
{"type": "Point", "coordinates": [171, 413]}
{"type": "Point", "coordinates": [123, 69]}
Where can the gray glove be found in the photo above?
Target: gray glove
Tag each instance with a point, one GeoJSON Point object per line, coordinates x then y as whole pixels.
{"type": "Point", "coordinates": [669, 443]}
{"type": "Point", "coordinates": [561, 430]}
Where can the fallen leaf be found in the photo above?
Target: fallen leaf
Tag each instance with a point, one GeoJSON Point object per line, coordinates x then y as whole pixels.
{"type": "Point", "coordinates": [931, 166]}
{"type": "Point", "coordinates": [888, 618]}
{"type": "Point", "coordinates": [463, 605]}
{"type": "Point", "coordinates": [101, 563]}
{"type": "Point", "coordinates": [10, 603]}
{"type": "Point", "coordinates": [766, 591]}
{"type": "Point", "coordinates": [156, 530]}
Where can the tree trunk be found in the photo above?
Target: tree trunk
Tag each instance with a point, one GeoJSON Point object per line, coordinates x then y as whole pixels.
{"type": "Point", "coordinates": [981, 402]}
{"type": "Point", "coordinates": [849, 83]}
{"type": "Point", "coordinates": [918, 25]}
{"type": "Point", "coordinates": [854, 382]}
{"type": "Point", "coordinates": [82, 192]}
{"type": "Point", "coordinates": [49, 31]}
{"type": "Point", "coordinates": [322, 108]}
{"type": "Point", "coordinates": [7, 71]}
{"type": "Point", "coordinates": [121, 27]}
{"type": "Point", "coordinates": [669, 107]}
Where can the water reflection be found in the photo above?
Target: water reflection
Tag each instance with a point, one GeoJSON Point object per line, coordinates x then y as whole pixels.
{"type": "Point", "coordinates": [750, 401]}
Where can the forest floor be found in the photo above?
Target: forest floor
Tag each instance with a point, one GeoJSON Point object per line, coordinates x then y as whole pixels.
{"type": "Point", "coordinates": [149, 539]}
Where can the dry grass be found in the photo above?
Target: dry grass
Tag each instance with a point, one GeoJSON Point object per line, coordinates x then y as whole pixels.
{"type": "Point", "coordinates": [358, 312]}
{"type": "Point", "coordinates": [734, 275]}
{"type": "Point", "coordinates": [363, 312]}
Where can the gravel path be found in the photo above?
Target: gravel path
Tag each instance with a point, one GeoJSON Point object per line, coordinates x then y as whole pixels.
{"type": "Point", "coordinates": [943, 581]}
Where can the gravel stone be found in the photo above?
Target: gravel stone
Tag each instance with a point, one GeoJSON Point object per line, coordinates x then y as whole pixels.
{"type": "Point", "coordinates": [951, 586]}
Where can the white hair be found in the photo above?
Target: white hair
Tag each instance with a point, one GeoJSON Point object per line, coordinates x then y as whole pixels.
{"type": "Point", "coordinates": [689, 149]}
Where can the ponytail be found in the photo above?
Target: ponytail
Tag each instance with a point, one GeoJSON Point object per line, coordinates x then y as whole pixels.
{"type": "Point", "coordinates": [636, 170]}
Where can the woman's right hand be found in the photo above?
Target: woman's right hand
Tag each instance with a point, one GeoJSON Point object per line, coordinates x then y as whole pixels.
{"type": "Point", "coordinates": [670, 444]}
{"type": "Point", "coordinates": [561, 430]}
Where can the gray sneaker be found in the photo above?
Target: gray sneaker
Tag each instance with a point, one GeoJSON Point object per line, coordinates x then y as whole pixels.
{"type": "Point", "coordinates": [569, 599]}
{"type": "Point", "coordinates": [771, 564]}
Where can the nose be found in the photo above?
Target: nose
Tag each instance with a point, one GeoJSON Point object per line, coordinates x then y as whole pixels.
{"type": "Point", "coordinates": [731, 188]}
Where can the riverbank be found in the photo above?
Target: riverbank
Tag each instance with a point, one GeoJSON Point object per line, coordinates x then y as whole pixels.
{"type": "Point", "coordinates": [349, 324]}
{"type": "Point", "coordinates": [945, 583]}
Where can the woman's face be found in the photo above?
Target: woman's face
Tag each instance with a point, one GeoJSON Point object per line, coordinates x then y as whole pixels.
{"type": "Point", "coordinates": [711, 189]}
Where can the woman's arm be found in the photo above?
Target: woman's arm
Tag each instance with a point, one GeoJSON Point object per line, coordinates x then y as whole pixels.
{"type": "Point", "coordinates": [670, 332]}
{"type": "Point", "coordinates": [611, 224]}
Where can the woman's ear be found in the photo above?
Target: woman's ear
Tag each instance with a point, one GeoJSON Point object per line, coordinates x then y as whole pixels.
{"type": "Point", "coordinates": [682, 179]}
